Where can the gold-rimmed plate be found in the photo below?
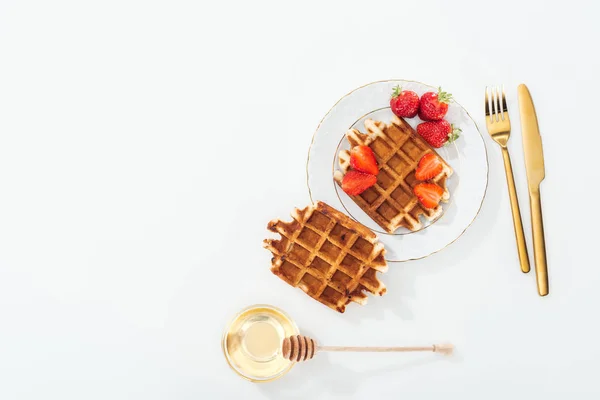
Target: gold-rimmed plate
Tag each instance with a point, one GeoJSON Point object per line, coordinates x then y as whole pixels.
{"type": "Point", "coordinates": [467, 156]}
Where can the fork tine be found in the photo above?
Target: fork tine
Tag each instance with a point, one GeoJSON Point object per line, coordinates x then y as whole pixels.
{"type": "Point", "coordinates": [504, 107]}
{"type": "Point", "coordinates": [500, 113]}
{"type": "Point", "coordinates": [487, 103]}
{"type": "Point", "coordinates": [494, 112]}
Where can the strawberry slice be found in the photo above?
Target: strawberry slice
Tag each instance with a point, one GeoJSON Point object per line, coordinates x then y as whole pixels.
{"type": "Point", "coordinates": [429, 194]}
{"type": "Point", "coordinates": [362, 159]}
{"type": "Point", "coordinates": [429, 167]}
{"type": "Point", "coordinates": [356, 182]}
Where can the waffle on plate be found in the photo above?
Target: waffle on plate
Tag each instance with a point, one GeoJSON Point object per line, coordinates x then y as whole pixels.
{"type": "Point", "coordinates": [398, 148]}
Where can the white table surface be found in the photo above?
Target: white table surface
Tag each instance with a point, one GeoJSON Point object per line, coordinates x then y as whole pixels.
{"type": "Point", "coordinates": [145, 145]}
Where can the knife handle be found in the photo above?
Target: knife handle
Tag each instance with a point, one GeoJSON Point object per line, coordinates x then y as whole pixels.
{"type": "Point", "coordinates": [539, 243]}
{"type": "Point", "coordinates": [516, 213]}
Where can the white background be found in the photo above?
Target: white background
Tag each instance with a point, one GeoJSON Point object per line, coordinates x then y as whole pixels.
{"type": "Point", "coordinates": [145, 145]}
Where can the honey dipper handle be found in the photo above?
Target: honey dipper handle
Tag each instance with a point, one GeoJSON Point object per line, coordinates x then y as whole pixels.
{"type": "Point", "coordinates": [436, 348]}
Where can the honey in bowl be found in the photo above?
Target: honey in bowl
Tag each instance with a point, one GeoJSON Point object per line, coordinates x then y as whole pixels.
{"type": "Point", "coordinates": [252, 343]}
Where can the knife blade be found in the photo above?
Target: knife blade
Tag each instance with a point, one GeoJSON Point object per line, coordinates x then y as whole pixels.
{"type": "Point", "coordinates": [536, 172]}
{"type": "Point", "coordinates": [532, 140]}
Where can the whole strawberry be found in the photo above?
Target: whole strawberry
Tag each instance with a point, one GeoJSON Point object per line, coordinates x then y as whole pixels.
{"type": "Point", "coordinates": [404, 103]}
{"type": "Point", "coordinates": [434, 106]}
{"type": "Point", "coordinates": [437, 133]}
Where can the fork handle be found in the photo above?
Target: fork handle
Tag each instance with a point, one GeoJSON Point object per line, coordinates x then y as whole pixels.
{"type": "Point", "coordinates": [539, 243]}
{"type": "Point", "coordinates": [516, 213]}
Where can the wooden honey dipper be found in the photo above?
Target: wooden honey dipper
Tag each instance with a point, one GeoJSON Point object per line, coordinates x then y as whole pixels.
{"type": "Point", "coordinates": [301, 348]}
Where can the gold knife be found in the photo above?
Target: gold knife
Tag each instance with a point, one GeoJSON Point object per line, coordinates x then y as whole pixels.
{"type": "Point", "coordinates": [534, 163]}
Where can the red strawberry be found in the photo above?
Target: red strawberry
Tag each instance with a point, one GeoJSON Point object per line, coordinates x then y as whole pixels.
{"type": "Point", "coordinates": [437, 133]}
{"type": "Point", "coordinates": [429, 167]}
{"type": "Point", "coordinates": [356, 182]}
{"type": "Point", "coordinates": [434, 106]}
{"type": "Point", "coordinates": [429, 194]}
{"type": "Point", "coordinates": [404, 103]}
{"type": "Point", "coordinates": [362, 159]}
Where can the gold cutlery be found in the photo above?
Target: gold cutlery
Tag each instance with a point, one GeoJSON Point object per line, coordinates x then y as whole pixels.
{"type": "Point", "coordinates": [498, 126]}
{"type": "Point", "coordinates": [534, 164]}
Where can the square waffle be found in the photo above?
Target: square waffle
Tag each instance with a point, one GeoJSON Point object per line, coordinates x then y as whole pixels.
{"type": "Point", "coordinates": [398, 148]}
{"type": "Point", "coordinates": [331, 257]}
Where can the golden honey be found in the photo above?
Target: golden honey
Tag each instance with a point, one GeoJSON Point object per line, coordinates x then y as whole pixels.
{"type": "Point", "coordinates": [252, 343]}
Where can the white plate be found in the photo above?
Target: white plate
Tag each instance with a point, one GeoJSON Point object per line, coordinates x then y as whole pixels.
{"type": "Point", "coordinates": [467, 156]}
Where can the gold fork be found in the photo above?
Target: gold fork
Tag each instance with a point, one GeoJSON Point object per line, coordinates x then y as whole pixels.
{"type": "Point", "coordinates": [498, 126]}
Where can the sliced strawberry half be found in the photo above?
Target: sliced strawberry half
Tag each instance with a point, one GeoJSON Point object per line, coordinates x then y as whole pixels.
{"type": "Point", "coordinates": [356, 182]}
{"type": "Point", "coordinates": [429, 194]}
{"type": "Point", "coordinates": [429, 167]}
{"type": "Point", "coordinates": [363, 159]}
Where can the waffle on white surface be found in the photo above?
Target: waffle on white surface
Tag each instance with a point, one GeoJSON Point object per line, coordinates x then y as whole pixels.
{"type": "Point", "coordinates": [331, 257]}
